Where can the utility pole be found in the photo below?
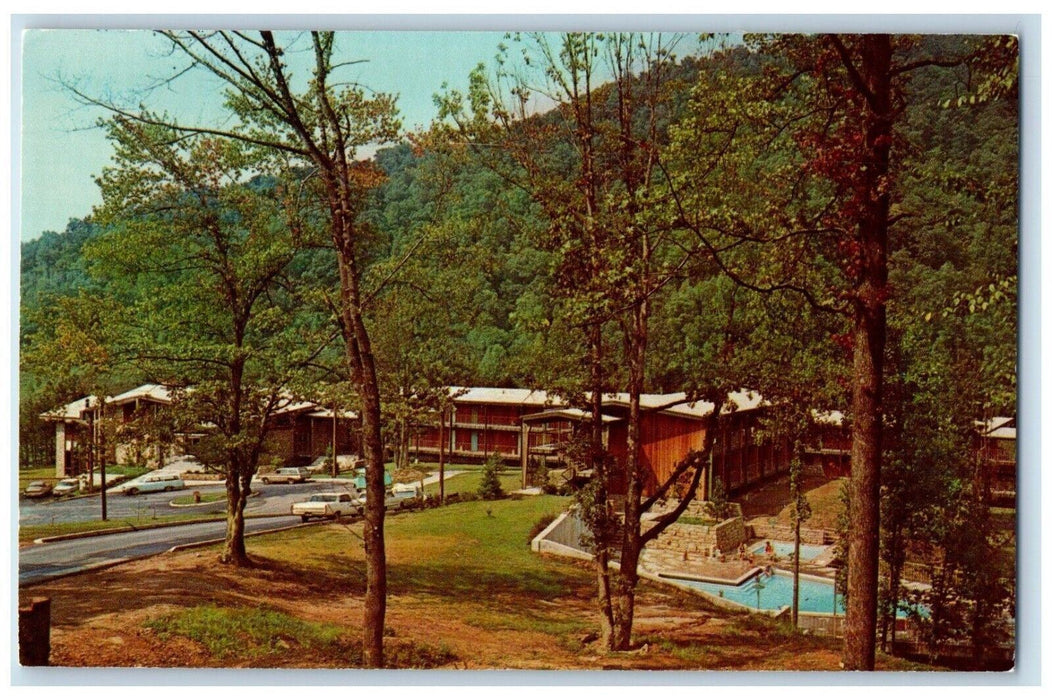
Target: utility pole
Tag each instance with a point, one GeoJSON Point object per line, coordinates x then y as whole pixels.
{"type": "Point", "coordinates": [91, 445]}
{"type": "Point", "coordinates": [102, 455]}
{"type": "Point", "coordinates": [441, 456]}
{"type": "Point", "coordinates": [335, 462]}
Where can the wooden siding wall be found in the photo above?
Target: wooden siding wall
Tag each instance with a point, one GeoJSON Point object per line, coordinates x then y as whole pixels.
{"type": "Point", "coordinates": [665, 441]}
{"type": "Point", "coordinates": [485, 414]}
{"type": "Point", "coordinates": [489, 423]}
{"type": "Point", "coordinates": [740, 458]}
{"type": "Point", "coordinates": [279, 444]}
{"type": "Point", "coordinates": [320, 432]}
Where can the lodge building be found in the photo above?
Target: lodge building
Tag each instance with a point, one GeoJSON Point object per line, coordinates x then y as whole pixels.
{"type": "Point", "coordinates": [300, 431]}
{"type": "Point", "coordinates": [531, 428]}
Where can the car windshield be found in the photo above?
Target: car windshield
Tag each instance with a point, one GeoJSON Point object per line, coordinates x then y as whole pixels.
{"type": "Point", "coordinates": [323, 497]}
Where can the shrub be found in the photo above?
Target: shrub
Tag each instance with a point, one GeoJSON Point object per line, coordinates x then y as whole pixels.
{"type": "Point", "coordinates": [538, 527]}
{"type": "Point", "coordinates": [718, 505]}
{"type": "Point", "coordinates": [537, 473]}
{"type": "Point", "coordinates": [489, 487]}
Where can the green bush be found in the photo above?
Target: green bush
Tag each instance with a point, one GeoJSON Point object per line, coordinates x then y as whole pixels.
{"type": "Point", "coordinates": [490, 488]}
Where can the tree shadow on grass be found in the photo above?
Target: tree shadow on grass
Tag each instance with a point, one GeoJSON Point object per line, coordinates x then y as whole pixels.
{"type": "Point", "coordinates": [191, 582]}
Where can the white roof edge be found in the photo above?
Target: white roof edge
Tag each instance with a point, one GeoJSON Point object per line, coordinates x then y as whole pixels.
{"type": "Point", "coordinates": [154, 392]}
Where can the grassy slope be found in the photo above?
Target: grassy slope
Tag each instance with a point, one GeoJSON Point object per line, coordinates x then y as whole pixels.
{"type": "Point", "coordinates": [465, 591]}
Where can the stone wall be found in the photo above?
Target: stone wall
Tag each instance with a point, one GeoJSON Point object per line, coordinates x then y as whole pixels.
{"type": "Point", "coordinates": [702, 540]}
{"type": "Point", "coordinates": [730, 534]}
{"type": "Point", "coordinates": [764, 530]}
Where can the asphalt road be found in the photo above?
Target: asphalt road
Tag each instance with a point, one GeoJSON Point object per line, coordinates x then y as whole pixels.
{"type": "Point", "coordinates": [39, 562]}
{"type": "Point", "coordinates": [273, 499]}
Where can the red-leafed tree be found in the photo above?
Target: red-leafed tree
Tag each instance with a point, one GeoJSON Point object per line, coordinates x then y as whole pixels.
{"type": "Point", "coordinates": [802, 158]}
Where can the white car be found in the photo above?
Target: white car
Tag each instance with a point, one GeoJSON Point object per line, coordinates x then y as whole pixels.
{"type": "Point", "coordinates": [286, 475]}
{"type": "Point", "coordinates": [398, 495]}
{"type": "Point", "coordinates": [328, 505]}
{"type": "Point", "coordinates": [151, 484]}
{"type": "Point", "coordinates": [66, 487]}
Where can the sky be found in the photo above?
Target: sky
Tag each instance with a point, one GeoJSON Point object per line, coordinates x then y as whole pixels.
{"type": "Point", "coordinates": [63, 150]}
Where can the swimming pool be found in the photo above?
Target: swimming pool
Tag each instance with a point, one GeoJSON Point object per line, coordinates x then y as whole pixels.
{"type": "Point", "coordinates": [785, 549]}
{"type": "Point", "coordinates": [775, 591]}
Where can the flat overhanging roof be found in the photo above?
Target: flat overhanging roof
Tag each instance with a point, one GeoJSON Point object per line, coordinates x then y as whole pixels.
{"type": "Point", "coordinates": [574, 414]}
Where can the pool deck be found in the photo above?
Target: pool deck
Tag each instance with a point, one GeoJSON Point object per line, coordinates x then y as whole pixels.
{"type": "Point", "coordinates": [731, 570]}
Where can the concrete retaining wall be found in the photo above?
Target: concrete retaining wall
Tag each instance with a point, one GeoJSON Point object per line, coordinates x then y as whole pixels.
{"type": "Point", "coordinates": [565, 536]}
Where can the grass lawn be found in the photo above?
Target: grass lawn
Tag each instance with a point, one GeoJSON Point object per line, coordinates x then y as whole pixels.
{"type": "Point", "coordinates": [464, 592]}
{"type": "Point", "coordinates": [468, 482]}
{"type": "Point", "coordinates": [210, 497]}
{"type": "Point", "coordinates": [48, 473]}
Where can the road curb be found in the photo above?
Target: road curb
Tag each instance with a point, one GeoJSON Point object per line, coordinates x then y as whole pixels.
{"type": "Point", "coordinates": [173, 504]}
{"type": "Point", "coordinates": [221, 540]}
{"type": "Point", "coordinates": [171, 550]}
{"type": "Point", "coordinates": [139, 528]}
{"type": "Point", "coordinates": [86, 570]}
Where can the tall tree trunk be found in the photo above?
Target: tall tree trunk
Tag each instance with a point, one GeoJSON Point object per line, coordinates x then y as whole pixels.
{"type": "Point", "coordinates": [796, 573]}
{"type": "Point", "coordinates": [602, 585]}
{"type": "Point", "coordinates": [234, 552]}
{"type": "Point", "coordinates": [601, 475]}
{"type": "Point", "coordinates": [363, 369]}
{"type": "Point", "coordinates": [335, 466]}
{"type": "Point", "coordinates": [102, 472]}
{"type": "Point", "coordinates": [632, 541]}
{"type": "Point", "coordinates": [869, 331]}
{"type": "Point", "coordinates": [375, 555]}
{"type": "Point", "coordinates": [894, 584]}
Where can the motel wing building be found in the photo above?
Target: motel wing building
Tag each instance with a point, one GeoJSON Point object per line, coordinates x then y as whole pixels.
{"type": "Point", "coordinates": [300, 431]}
{"type": "Point", "coordinates": [529, 428]}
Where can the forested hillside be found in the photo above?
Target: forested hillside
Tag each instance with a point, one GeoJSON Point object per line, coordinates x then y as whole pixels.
{"type": "Point", "coordinates": [473, 303]}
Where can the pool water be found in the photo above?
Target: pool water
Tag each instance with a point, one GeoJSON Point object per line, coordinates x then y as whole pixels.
{"type": "Point", "coordinates": [775, 591]}
{"type": "Point", "coordinates": [785, 550]}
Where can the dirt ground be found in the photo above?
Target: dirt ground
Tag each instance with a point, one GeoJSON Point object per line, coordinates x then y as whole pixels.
{"type": "Point", "coordinates": [98, 619]}
{"type": "Point", "coordinates": [771, 500]}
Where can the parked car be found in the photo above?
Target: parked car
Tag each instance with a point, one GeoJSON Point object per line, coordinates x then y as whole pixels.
{"type": "Point", "coordinates": [151, 484]}
{"type": "Point", "coordinates": [404, 491]}
{"type": "Point", "coordinates": [37, 489]}
{"type": "Point", "coordinates": [287, 475]}
{"type": "Point", "coordinates": [328, 505]}
{"type": "Point", "coordinates": [345, 462]}
{"type": "Point", "coordinates": [397, 499]}
{"type": "Point", "coordinates": [66, 487]}
{"type": "Point", "coordinates": [359, 478]}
